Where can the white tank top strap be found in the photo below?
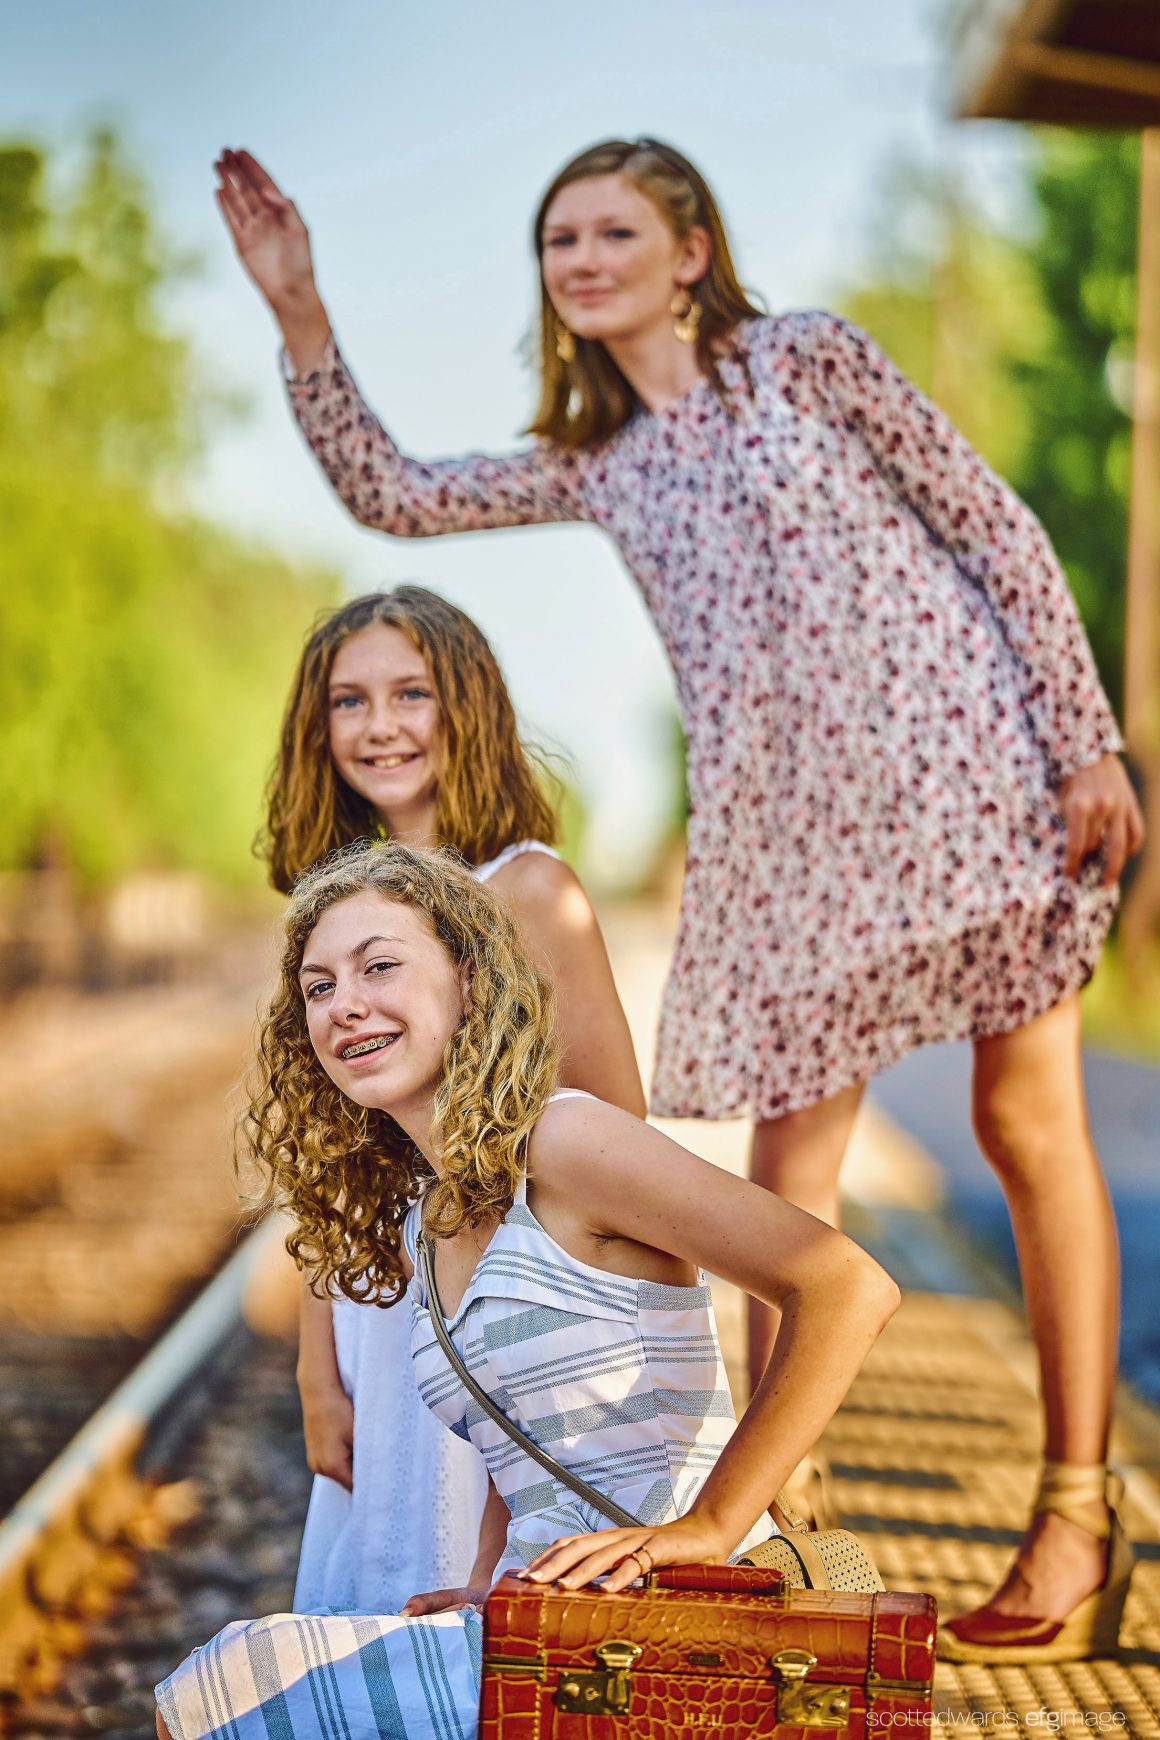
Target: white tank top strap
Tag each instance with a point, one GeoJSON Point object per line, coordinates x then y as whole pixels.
{"type": "Point", "coordinates": [485, 872]}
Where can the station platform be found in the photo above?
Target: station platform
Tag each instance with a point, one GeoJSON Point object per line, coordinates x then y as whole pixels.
{"type": "Point", "coordinates": [935, 1455]}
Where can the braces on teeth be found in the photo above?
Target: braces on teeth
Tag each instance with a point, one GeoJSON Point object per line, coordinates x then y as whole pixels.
{"type": "Point", "coordinates": [368, 1045]}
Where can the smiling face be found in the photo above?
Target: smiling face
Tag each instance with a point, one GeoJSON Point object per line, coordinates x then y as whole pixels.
{"type": "Point", "coordinates": [386, 734]}
{"type": "Point", "coordinates": [383, 998]}
{"type": "Point", "coordinates": [611, 262]}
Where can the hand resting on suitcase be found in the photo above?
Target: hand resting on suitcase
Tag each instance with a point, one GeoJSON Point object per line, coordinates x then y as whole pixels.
{"type": "Point", "coordinates": [621, 1196]}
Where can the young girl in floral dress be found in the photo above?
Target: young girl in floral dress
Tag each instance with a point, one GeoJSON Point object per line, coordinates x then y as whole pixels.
{"type": "Point", "coordinates": [399, 723]}
{"type": "Point", "coordinates": [409, 1080]}
{"type": "Point", "coordinates": [908, 813]}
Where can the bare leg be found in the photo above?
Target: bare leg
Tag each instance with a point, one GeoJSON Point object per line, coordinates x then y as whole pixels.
{"type": "Point", "coordinates": [162, 1731]}
{"type": "Point", "coordinates": [799, 1158]}
{"type": "Point", "coordinates": [1031, 1121]}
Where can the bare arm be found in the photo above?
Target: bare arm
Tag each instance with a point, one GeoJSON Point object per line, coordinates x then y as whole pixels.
{"type": "Point", "coordinates": [327, 1410]}
{"type": "Point", "coordinates": [273, 246]}
{"type": "Point", "coordinates": [557, 920]}
{"type": "Point", "coordinates": [380, 486]}
{"type": "Point", "coordinates": [601, 1176]}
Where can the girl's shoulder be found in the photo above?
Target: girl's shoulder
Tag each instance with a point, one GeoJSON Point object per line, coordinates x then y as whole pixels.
{"type": "Point", "coordinates": [809, 334]}
{"type": "Point", "coordinates": [566, 1126]}
{"type": "Point", "coordinates": [794, 326]}
{"type": "Point", "coordinates": [536, 880]}
{"type": "Point", "coordinates": [516, 856]}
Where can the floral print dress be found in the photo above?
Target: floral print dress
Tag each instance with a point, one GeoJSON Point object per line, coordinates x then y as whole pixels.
{"type": "Point", "coordinates": [882, 679]}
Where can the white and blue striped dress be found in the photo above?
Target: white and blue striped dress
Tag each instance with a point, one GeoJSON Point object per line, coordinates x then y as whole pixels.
{"type": "Point", "coordinates": [411, 1518]}
{"type": "Point", "coordinates": [621, 1380]}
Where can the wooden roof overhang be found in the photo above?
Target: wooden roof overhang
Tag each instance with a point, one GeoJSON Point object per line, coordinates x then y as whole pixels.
{"type": "Point", "coordinates": [1078, 63]}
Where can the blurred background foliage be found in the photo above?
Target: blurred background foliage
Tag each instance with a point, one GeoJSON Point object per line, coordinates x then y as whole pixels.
{"type": "Point", "coordinates": [144, 655]}
{"type": "Point", "coordinates": [1025, 334]}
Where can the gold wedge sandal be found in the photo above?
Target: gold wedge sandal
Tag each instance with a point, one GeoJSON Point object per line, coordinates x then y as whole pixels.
{"type": "Point", "coordinates": [1092, 1628]}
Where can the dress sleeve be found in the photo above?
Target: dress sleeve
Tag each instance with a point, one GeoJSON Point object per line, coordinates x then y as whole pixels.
{"type": "Point", "coordinates": [418, 499]}
{"type": "Point", "coordinates": [992, 534]}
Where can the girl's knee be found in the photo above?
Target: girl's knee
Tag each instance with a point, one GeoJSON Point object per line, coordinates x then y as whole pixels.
{"type": "Point", "coordinates": [1003, 1131]}
{"type": "Point", "coordinates": [1027, 1141]}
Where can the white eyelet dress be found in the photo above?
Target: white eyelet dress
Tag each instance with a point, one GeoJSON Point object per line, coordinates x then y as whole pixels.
{"type": "Point", "coordinates": [412, 1521]}
{"type": "Point", "coordinates": [621, 1380]}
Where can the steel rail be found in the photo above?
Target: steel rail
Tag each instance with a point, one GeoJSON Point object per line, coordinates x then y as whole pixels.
{"type": "Point", "coordinates": [53, 1540]}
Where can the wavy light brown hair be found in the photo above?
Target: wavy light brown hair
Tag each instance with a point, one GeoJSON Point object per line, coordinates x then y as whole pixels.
{"type": "Point", "coordinates": [346, 1172]}
{"type": "Point", "coordinates": [589, 399]}
{"type": "Point", "coordinates": [493, 788]}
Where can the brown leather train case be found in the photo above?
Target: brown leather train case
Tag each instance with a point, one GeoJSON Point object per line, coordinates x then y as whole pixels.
{"type": "Point", "coordinates": [703, 1650]}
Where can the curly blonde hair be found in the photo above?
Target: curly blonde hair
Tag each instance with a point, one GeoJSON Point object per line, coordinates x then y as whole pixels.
{"type": "Point", "coordinates": [346, 1173]}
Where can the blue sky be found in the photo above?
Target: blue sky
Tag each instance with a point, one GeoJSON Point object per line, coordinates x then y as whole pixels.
{"type": "Point", "coordinates": [416, 139]}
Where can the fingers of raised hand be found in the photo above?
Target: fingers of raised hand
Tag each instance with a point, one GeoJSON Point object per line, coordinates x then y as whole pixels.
{"type": "Point", "coordinates": [239, 190]}
{"type": "Point", "coordinates": [231, 208]}
{"type": "Point", "coordinates": [259, 179]}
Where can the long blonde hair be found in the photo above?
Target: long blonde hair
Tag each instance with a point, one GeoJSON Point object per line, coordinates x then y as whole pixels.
{"type": "Point", "coordinates": [589, 399]}
{"type": "Point", "coordinates": [345, 1172]}
{"type": "Point", "coordinates": [493, 788]}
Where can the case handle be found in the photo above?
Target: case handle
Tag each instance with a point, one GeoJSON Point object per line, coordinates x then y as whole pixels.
{"type": "Point", "coordinates": [718, 1579]}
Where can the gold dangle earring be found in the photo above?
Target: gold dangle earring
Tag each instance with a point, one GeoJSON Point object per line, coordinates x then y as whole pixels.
{"type": "Point", "coordinates": [565, 343]}
{"type": "Point", "coordinates": [687, 312]}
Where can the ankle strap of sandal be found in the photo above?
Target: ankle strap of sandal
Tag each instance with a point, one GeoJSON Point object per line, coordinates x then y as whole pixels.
{"type": "Point", "coordinates": [1071, 1489]}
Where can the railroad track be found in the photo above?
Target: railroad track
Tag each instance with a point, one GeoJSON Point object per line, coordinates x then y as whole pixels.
{"type": "Point", "coordinates": [109, 1570]}
{"type": "Point", "coordinates": [127, 1308]}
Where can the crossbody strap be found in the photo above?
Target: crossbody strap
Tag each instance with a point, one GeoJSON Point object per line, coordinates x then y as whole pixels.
{"type": "Point", "coordinates": [606, 1506]}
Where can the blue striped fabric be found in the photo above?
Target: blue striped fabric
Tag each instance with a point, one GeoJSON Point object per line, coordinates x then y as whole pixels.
{"type": "Point", "coordinates": [621, 1380]}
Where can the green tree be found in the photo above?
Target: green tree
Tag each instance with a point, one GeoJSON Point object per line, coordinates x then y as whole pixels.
{"type": "Point", "coordinates": [1074, 380]}
{"type": "Point", "coordinates": [936, 267]}
{"type": "Point", "coordinates": [144, 656]}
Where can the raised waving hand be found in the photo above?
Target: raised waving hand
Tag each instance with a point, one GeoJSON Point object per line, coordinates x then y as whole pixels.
{"type": "Point", "coordinates": [273, 245]}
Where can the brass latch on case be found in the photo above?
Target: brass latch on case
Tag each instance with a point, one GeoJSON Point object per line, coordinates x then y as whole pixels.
{"type": "Point", "coordinates": [603, 1691]}
{"type": "Point", "coordinates": [877, 1687]}
{"type": "Point", "coordinates": [802, 1706]}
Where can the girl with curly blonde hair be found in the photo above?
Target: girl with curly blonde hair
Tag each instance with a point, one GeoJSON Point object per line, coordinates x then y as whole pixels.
{"type": "Point", "coordinates": [399, 724]}
{"type": "Point", "coordinates": [409, 1068]}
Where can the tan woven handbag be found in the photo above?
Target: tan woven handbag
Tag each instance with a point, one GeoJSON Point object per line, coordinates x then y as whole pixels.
{"type": "Point", "coordinates": [827, 1559]}
{"type": "Point", "coordinates": [830, 1559]}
